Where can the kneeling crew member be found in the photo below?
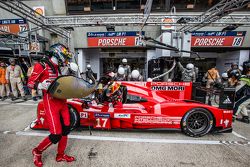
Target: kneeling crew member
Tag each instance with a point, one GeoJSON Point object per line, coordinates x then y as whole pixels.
{"type": "Point", "coordinates": [243, 94]}
{"type": "Point", "coordinates": [55, 109]}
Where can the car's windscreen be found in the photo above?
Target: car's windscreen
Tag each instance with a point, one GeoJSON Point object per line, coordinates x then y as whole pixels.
{"type": "Point", "coordinates": [135, 99]}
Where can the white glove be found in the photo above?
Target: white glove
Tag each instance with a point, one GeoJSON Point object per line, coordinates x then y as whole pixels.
{"type": "Point", "coordinates": [73, 66]}
{"type": "Point", "coordinates": [44, 85]}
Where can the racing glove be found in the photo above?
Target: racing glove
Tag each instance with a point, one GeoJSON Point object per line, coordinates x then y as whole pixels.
{"type": "Point", "coordinates": [44, 85]}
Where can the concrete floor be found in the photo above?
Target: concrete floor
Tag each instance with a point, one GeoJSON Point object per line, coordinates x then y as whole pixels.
{"type": "Point", "coordinates": [116, 148]}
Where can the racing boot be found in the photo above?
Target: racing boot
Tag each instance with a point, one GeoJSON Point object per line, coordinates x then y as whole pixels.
{"type": "Point", "coordinates": [4, 98]}
{"type": "Point", "coordinates": [24, 98]}
{"type": "Point", "coordinates": [14, 98]}
{"type": "Point", "coordinates": [244, 119]}
{"type": "Point", "coordinates": [37, 157]}
{"type": "Point", "coordinates": [64, 157]}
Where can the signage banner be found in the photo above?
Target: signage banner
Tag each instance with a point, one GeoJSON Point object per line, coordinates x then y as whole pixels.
{"type": "Point", "coordinates": [168, 27]}
{"type": "Point", "coordinates": [217, 38]}
{"type": "Point", "coordinates": [34, 47]}
{"type": "Point", "coordinates": [114, 39]}
{"type": "Point", "coordinates": [13, 26]}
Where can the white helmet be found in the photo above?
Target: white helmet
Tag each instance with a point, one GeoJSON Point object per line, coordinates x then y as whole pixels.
{"type": "Point", "coordinates": [88, 66]}
{"type": "Point", "coordinates": [124, 60]}
{"type": "Point", "coordinates": [224, 75]}
{"type": "Point", "coordinates": [135, 74]}
{"type": "Point", "coordinates": [121, 71]}
{"type": "Point", "coordinates": [149, 80]}
{"type": "Point", "coordinates": [190, 66]}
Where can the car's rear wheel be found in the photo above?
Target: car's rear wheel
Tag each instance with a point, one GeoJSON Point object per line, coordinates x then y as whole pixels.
{"type": "Point", "coordinates": [74, 118]}
{"type": "Point", "coordinates": [197, 122]}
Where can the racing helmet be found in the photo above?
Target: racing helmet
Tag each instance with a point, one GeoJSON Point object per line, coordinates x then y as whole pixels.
{"type": "Point", "coordinates": [88, 66]}
{"type": "Point", "coordinates": [121, 71]}
{"type": "Point", "coordinates": [149, 80]}
{"type": "Point", "coordinates": [113, 87]}
{"type": "Point", "coordinates": [124, 61]}
{"type": "Point", "coordinates": [135, 74]}
{"type": "Point", "coordinates": [235, 73]}
{"type": "Point", "coordinates": [61, 52]}
{"type": "Point", "coordinates": [189, 66]}
{"type": "Point", "coordinates": [224, 75]}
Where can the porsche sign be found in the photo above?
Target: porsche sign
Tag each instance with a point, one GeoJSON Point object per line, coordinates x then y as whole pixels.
{"type": "Point", "coordinates": [217, 39]}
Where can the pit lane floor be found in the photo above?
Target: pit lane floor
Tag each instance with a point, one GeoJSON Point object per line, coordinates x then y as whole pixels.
{"type": "Point", "coordinates": [120, 148]}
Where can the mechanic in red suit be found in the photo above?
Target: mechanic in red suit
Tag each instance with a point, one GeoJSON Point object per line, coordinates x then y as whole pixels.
{"type": "Point", "coordinates": [43, 74]}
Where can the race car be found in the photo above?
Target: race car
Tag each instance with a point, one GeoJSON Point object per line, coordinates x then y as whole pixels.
{"type": "Point", "coordinates": [146, 107]}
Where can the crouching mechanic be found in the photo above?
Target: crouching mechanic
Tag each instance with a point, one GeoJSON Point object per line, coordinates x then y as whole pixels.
{"type": "Point", "coordinates": [55, 109]}
{"type": "Point", "coordinates": [243, 97]}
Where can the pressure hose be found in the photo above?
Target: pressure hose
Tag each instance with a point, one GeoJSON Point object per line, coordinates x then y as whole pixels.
{"type": "Point", "coordinates": [171, 69]}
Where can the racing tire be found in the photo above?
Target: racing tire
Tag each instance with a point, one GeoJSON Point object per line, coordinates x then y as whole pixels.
{"type": "Point", "coordinates": [197, 122]}
{"type": "Point", "coordinates": [74, 118]}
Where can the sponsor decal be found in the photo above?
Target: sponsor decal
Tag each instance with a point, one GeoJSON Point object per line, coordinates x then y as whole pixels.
{"type": "Point", "coordinates": [171, 83]}
{"type": "Point", "coordinates": [42, 120]}
{"type": "Point", "coordinates": [39, 10]}
{"type": "Point", "coordinates": [228, 111]}
{"type": "Point", "coordinates": [168, 20]}
{"type": "Point", "coordinates": [83, 115]}
{"type": "Point", "coordinates": [155, 120]}
{"type": "Point", "coordinates": [42, 112]}
{"type": "Point", "coordinates": [217, 38]}
{"type": "Point", "coordinates": [227, 101]}
{"type": "Point", "coordinates": [101, 115]}
{"type": "Point", "coordinates": [168, 88]}
{"type": "Point", "coordinates": [121, 115]}
{"type": "Point", "coordinates": [226, 122]}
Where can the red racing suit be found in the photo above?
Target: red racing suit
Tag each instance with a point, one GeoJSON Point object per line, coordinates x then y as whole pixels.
{"type": "Point", "coordinates": [54, 108]}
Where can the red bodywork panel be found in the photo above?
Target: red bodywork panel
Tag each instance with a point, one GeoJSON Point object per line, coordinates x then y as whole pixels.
{"type": "Point", "coordinates": [145, 109]}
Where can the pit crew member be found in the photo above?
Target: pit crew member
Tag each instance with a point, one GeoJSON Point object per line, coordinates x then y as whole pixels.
{"type": "Point", "coordinates": [126, 67]}
{"type": "Point", "coordinates": [243, 96]}
{"type": "Point", "coordinates": [188, 73]}
{"type": "Point", "coordinates": [15, 77]}
{"type": "Point", "coordinates": [135, 76]}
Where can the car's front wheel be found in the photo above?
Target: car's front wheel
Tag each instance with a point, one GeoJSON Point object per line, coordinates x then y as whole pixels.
{"type": "Point", "coordinates": [74, 118]}
{"type": "Point", "coordinates": [197, 122]}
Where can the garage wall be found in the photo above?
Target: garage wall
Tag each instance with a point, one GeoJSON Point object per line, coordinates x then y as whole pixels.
{"type": "Point", "coordinates": [224, 60]}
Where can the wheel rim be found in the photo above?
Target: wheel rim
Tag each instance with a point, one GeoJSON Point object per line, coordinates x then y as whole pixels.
{"type": "Point", "coordinates": [197, 121]}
